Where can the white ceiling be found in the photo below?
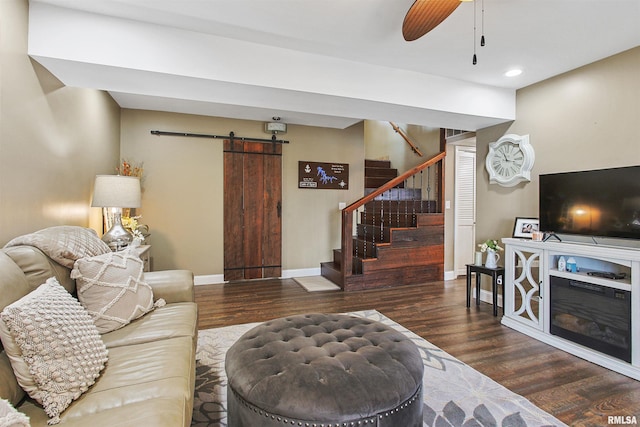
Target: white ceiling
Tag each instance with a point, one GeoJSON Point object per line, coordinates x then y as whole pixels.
{"type": "Point", "coordinates": [323, 62]}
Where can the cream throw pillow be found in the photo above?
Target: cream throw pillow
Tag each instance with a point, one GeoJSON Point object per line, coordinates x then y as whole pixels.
{"type": "Point", "coordinates": [55, 349]}
{"type": "Point", "coordinates": [64, 243]}
{"type": "Point", "coordinates": [9, 417]}
{"type": "Point", "coordinates": [111, 287]}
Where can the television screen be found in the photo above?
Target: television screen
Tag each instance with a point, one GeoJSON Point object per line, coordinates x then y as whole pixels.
{"type": "Point", "coordinates": [603, 202]}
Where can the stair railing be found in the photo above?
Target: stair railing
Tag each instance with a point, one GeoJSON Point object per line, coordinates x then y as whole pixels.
{"type": "Point", "coordinates": [348, 213]}
{"type": "Point", "coordinates": [404, 136]}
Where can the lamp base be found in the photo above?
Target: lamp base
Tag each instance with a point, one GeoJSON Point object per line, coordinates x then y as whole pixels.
{"type": "Point", "coordinates": [117, 237]}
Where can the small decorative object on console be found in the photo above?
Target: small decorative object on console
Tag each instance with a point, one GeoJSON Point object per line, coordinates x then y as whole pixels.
{"type": "Point", "coordinates": [524, 228]}
{"type": "Point", "coordinates": [562, 264]}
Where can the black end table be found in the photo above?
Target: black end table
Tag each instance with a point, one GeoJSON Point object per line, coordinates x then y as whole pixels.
{"type": "Point", "coordinates": [497, 277]}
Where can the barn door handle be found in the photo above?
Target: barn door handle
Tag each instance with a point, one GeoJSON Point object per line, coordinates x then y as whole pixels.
{"type": "Point", "coordinates": [279, 208]}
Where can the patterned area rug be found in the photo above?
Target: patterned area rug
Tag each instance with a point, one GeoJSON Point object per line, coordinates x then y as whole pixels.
{"type": "Point", "coordinates": [455, 394]}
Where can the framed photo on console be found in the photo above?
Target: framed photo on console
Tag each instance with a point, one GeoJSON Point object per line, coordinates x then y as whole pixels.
{"type": "Point", "coordinates": [524, 227]}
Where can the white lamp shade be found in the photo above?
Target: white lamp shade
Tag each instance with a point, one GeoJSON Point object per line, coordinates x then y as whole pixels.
{"type": "Point", "coordinates": [116, 191]}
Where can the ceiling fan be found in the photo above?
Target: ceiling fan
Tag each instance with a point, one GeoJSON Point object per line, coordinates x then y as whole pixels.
{"type": "Point", "coordinates": [425, 15]}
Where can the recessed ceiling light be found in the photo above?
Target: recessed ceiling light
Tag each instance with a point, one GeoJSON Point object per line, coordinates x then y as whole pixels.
{"type": "Point", "coordinates": [513, 73]}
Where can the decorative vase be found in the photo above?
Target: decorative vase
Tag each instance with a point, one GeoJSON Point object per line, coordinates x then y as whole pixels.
{"type": "Point", "coordinates": [492, 259]}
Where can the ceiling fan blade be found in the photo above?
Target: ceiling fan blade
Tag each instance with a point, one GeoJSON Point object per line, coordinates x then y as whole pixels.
{"type": "Point", "coordinates": [425, 15]}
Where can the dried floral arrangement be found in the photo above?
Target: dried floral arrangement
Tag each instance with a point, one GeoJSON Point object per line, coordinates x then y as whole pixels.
{"type": "Point", "coordinates": [128, 168]}
{"type": "Point", "coordinates": [139, 231]}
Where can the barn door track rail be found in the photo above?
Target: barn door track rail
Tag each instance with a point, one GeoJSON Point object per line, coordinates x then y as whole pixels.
{"type": "Point", "coordinates": [231, 136]}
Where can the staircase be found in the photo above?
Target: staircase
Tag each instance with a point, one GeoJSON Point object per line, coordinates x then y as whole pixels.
{"type": "Point", "coordinates": [399, 236]}
{"type": "Point", "coordinates": [377, 173]}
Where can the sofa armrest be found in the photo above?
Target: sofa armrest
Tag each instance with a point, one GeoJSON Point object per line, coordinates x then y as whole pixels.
{"type": "Point", "coordinates": [171, 285]}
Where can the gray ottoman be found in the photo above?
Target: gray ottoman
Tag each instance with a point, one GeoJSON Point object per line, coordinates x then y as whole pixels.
{"type": "Point", "coordinates": [324, 370]}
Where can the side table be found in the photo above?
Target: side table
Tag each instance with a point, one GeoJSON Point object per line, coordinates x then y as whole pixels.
{"type": "Point", "coordinates": [497, 278]}
{"type": "Point", "coordinates": [144, 252]}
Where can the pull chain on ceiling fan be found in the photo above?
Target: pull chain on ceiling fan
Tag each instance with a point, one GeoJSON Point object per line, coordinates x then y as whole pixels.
{"type": "Point", "coordinates": [482, 41]}
{"type": "Point", "coordinates": [425, 15]}
{"type": "Point", "coordinates": [475, 58]}
{"type": "Point", "coordinates": [482, 37]}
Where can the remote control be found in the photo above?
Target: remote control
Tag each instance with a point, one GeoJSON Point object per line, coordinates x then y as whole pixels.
{"type": "Point", "coordinates": [607, 275]}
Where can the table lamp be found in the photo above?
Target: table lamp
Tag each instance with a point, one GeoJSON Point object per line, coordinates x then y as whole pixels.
{"type": "Point", "coordinates": [116, 192]}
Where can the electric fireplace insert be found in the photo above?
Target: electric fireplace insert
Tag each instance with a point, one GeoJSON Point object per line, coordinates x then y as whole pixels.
{"type": "Point", "coordinates": [598, 317]}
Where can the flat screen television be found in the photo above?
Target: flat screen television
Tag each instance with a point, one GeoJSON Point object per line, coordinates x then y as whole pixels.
{"type": "Point", "coordinates": [604, 202]}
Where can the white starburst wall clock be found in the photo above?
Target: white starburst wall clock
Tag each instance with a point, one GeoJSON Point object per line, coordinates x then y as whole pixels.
{"type": "Point", "coordinates": [510, 160]}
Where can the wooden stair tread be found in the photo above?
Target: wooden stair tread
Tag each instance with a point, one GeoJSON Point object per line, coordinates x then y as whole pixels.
{"type": "Point", "coordinates": [380, 172]}
{"type": "Point", "coordinates": [377, 163]}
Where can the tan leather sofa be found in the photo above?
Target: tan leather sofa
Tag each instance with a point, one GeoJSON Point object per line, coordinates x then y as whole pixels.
{"type": "Point", "coordinates": [150, 374]}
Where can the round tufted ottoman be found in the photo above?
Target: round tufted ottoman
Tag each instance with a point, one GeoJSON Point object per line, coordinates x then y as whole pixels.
{"type": "Point", "coordinates": [324, 370]}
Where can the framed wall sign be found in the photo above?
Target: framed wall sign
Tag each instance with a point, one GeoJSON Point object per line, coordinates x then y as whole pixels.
{"type": "Point", "coordinates": [319, 175]}
{"type": "Point", "coordinates": [524, 228]}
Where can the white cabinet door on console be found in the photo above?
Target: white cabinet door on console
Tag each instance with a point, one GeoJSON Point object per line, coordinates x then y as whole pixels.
{"type": "Point", "coordinates": [523, 270]}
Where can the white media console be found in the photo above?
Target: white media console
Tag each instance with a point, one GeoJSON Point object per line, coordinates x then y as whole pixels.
{"type": "Point", "coordinates": [531, 265]}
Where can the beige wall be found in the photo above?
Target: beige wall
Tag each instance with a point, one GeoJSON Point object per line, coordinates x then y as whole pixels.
{"type": "Point", "coordinates": [383, 143]}
{"type": "Point", "coordinates": [584, 119]}
{"type": "Point", "coordinates": [53, 139]}
{"type": "Point", "coordinates": [183, 188]}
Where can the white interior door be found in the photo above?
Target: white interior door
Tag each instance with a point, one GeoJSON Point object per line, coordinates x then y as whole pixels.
{"type": "Point", "coordinates": [465, 208]}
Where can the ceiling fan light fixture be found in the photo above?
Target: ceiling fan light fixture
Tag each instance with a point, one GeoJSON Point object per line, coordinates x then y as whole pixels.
{"type": "Point", "coordinates": [425, 15]}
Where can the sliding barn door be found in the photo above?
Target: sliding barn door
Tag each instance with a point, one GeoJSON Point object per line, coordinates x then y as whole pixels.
{"type": "Point", "coordinates": [252, 207]}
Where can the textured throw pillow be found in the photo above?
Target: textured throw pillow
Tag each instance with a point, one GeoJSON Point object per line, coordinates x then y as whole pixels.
{"type": "Point", "coordinates": [9, 417]}
{"type": "Point", "coordinates": [54, 347]}
{"type": "Point", "coordinates": [64, 243]}
{"type": "Point", "coordinates": [111, 287]}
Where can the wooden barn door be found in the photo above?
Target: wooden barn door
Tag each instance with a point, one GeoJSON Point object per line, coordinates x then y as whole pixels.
{"type": "Point", "coordinates": [252, 207]}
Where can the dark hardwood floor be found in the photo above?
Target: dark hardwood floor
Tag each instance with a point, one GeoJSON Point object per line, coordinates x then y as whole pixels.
{"type": "Point", "coordinates": [577, 392]}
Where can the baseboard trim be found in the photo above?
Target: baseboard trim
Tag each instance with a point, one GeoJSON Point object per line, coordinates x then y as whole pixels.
{"type": "Point", "coordinates": [209, 279]}
{"type": "Point", "coordinates": [301, 272]}
{"type": "Point", "coordinates": [487, 296]}
{"type": "Point", "coordinates": [214, 279]}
